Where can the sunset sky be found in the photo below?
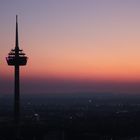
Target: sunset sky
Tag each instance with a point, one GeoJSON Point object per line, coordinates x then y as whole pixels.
{"type": "Point", "coordinates": [73, 45]}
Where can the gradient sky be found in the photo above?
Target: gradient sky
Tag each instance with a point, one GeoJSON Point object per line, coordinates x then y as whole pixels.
{"type": "Point", "coordinates": [73, 45]}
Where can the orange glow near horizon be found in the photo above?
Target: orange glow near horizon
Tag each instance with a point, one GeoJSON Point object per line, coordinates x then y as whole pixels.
{"type": "Point", "coordinates": [90, 60]}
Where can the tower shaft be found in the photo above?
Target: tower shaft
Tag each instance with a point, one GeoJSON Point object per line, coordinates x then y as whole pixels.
{"type": "Point", "coordinates": [17, 80]}
{"type": "Point", "coordinates": [17, 95]}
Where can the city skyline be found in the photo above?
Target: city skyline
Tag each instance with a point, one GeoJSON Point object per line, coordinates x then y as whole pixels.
{"type": "Point", "coordinates": [74, 46]}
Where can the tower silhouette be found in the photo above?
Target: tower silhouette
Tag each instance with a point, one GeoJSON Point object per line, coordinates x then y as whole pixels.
{"type": "Point", "coordinates": [16, 58]}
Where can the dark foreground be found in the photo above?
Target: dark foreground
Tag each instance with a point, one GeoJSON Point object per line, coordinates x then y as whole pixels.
{"type": "Point", "coordinates": [74, 118]}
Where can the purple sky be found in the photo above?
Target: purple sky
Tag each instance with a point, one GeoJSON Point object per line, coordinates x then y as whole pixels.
{"type": "Point", "coordinates": [73, 45]}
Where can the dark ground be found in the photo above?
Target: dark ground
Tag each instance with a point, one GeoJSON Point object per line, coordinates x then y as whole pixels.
{"type": "Point", "coordinates": [75, 117]}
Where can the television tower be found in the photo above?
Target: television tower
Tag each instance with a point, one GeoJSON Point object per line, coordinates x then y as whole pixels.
{"type": "Point", "coordinates": [16, 58]}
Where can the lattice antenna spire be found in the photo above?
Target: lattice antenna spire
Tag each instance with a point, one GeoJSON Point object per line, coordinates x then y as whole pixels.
{"type": "Point", "coordinates": [16, 40]}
